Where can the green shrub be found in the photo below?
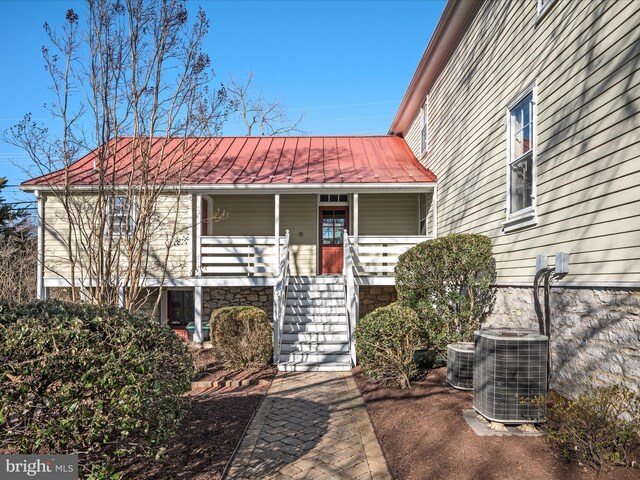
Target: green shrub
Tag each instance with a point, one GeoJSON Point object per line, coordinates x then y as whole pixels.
{"type": "Point", "coordinates": [599, 428]}
{"type": "Point", "coordinates": [448, 282]}
{"type": "Point", "coordinates": [386, 340]}
{"type": "Point", "coordinates": [99, 382]}
{"type": "Point", "coordinates": [243, 336]}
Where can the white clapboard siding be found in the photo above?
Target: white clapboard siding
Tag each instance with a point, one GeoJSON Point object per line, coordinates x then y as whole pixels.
{"type": "Point", "coordinates": [586, 65]}
{"type": "Point", "coordinates": [299, 215]}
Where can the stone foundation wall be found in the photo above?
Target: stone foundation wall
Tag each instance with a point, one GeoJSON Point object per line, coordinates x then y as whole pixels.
{"type": "Point", "coordinates": [595, 334]}
{"type": "Point", "coordinates": [216, 297]}
{"type": "Point", "coordinates": [372, 297]}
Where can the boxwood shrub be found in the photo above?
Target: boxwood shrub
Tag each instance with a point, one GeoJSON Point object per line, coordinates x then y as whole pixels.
{"type": "Point", "coordinates": [242, 335]}
{"type": "Point", "coordinates": [448, 282]}
{"type": "Point", "coordinates": [600, 428]}
{"type": "Point", "coordinates": [103, 383]}
{"type": "Point", "coordinates": [386, 340]}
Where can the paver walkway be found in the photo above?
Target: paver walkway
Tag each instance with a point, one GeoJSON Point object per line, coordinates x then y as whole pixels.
{"type": "Point", "coordinates": [310, 426]}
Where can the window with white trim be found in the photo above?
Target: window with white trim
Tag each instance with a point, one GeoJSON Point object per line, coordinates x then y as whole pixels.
{"type": "Point", "coordinates": [521, 170]}
{"type": "Point", "coordinates": [119, 215]}
{"type": "Point", "coordinates": [424, 137]}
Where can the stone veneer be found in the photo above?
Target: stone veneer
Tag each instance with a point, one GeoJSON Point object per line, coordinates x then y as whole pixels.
{"type": "Point", "coordinates": [372, 297]}
{"type": "Point", "coordinates": [595, 333]}
{"type": "Point", "coordinates": [216, 297]}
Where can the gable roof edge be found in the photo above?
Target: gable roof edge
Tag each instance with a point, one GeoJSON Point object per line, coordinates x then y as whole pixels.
{"type": "Point", "coordinates": [452, 23]}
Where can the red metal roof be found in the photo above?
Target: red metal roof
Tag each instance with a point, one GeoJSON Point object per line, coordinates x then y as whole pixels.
{"type": "Point", "coordinates": [251, 160]}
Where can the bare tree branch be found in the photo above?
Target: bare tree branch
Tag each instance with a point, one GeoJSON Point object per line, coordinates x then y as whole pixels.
{"type": "Point", "coordinates": [257, 112]}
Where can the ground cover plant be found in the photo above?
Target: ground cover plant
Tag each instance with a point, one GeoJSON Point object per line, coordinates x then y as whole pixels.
{"type": "Point", "coordinates": [600, 428]}
{"type": "Point", "coordinates": [242, 336]}
{"type": "Point", "coordinates": [386, 340]}
{"type": "Point", "coordinates": [448, 282]}
{"type": "Point", "coordinates": [97, 381]}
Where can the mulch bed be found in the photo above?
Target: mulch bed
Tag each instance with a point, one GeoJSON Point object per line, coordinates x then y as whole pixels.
{"type": "Point", "coordinates": [208, 434]}
{"type": "Point", "coordinates": [423, 436]}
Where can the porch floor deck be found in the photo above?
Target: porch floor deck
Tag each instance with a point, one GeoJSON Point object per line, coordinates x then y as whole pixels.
{"type": "Point", "coordinates": [310, 425]}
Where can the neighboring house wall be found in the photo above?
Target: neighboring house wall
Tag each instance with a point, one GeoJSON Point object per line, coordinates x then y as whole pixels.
{"type": "Point", "coordinates": [584, 58]}
{"type": "Point", "coordinates": [585, 61]}
{"type": "Point", "coordinates": [56, 231]}
{"type": "Point", "coordinates": [393, 214]}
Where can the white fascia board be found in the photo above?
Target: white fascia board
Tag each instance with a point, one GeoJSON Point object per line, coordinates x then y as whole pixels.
{"type": "Point", "coordinates": [415, 187]}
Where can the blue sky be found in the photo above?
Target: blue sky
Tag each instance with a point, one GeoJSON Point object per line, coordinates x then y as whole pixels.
{"type": "Point", "coordinates": [346, 65]}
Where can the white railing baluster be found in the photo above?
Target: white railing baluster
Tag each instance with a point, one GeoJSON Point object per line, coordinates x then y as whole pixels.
{"type": "Point", "coordinates": [351, 293]}
{"type": "Point", "coordinates": [280, 298]}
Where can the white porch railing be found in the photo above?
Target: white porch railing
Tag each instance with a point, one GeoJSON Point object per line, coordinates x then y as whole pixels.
{"type": "Point", "coordinates": [369, 257]}
{"type": "Point", "coordinates": [352, 293]}
{"type": "Point", "coordinates": [377, 256]}
{"type": "Point", "coordinates": [280, 298]}
{"type": "Point", "coordinates": [238, 256]}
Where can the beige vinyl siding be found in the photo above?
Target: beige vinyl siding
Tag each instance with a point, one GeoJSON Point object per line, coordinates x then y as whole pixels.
{"type": "Point", "coordinates": [56, 231]}
{"type": "Point", "coordinates": [584, 59]}
{"type": "Point", "coordinates": [298, 214]}
{"type": "Point", "coordinates": [246, 215]}
{"type": "Point", "coordinates": [393, 214]}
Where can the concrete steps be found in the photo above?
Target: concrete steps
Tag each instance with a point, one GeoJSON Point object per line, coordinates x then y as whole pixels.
{"type": "Point", "coordinates": [315, 333]}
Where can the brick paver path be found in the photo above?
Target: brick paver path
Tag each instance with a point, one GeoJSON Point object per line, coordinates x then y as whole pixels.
{"type": "Point", "coordinates": [310, 426]}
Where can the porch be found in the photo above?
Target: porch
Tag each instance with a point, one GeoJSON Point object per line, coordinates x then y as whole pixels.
{"type": "Point", "coordinates": [314, 230]}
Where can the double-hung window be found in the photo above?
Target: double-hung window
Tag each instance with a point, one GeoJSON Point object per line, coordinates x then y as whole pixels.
{"type": "Point", "coordinates": [119, 215]}
{"type": "Point", "coordinates": [424, 130]}
{"type": "Point", "coordinates": [521, 168]}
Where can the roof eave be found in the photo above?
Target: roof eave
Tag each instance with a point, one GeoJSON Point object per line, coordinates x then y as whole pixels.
{"type": "Point", "coordinates": [444, 39]}
{"type": "Point", "coordinates": [266, 187]}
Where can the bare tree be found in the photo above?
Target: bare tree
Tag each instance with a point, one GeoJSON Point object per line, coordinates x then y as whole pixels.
{"type": "Point", "coordinates": [268, 116]}
{"type": "Point", "coordinates": [133, 85]}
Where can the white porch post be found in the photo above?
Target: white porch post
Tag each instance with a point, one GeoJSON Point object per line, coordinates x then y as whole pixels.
{"type": "Point", "coordinates": [277, 231]}
{"type": "Point", "coordinates": [41, 291]}
{"type": "Point", "coordinates": [197, 271]}
{"type": "Point", "coordinates": [434, 206]}
{"type": "Point", "coordinates": [197, 314]}
{"type": "Point", "coordinates": [355, 221]}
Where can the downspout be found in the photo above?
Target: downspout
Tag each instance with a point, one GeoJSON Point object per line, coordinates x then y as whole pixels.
{"type": "Point", "coordinates": [41, 293]}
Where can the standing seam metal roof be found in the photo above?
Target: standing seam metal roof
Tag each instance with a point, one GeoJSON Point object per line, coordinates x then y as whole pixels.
{"type": "Point", "coordinates": [250, 160]}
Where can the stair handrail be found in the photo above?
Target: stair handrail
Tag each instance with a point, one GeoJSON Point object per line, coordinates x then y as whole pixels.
{"type": "Point", "coordinates": [351, 293]}
{"type": "Point", "coordinates": [282, 284]}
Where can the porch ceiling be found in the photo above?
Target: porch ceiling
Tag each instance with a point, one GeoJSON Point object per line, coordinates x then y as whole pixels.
{"type": "Point", "coordinates": [246, 161]}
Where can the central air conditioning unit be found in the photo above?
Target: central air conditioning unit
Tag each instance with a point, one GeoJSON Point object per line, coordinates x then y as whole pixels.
{"type": "Point", "coordinates": [460, 365]}
{"type": "Point", "coordinates": [510, 374]}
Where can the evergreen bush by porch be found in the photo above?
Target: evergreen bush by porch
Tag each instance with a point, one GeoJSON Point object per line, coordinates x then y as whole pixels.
{"type": "Point", "coordinates": [103, 383]}
{"type": "Point", "coordinates": [242, 335]}
{"type": "Point", "coordinates": [448, 282]}
{"type": "Point", "coordinates": [386, 340]}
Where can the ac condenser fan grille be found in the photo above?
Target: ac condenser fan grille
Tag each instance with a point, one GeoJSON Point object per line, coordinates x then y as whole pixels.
{"type": "Point", "coordinates": [510, 375]}
{"type": "Point", "coordinates": [460, 365]}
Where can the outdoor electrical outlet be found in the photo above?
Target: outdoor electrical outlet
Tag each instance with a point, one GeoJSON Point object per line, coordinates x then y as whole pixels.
{"type": "Point", "coordinates": [562, 263]}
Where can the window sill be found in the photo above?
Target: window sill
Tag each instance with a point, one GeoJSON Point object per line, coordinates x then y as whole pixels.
{"type": "Point", "coordinates": [522, 219]}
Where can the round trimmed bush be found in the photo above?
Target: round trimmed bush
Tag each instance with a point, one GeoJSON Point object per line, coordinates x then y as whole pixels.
{"type": "Point", "coordinates": [103, 383]}
{"type": "Point", "coordinates": [386, 340]}
{"type": "Point", "coordinates": [449, 283]}
{"type": "Point", "coordinates": [242, 335]}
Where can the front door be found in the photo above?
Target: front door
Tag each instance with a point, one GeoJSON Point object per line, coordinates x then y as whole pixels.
{"type": "Point", "coordinates": [333, 221]}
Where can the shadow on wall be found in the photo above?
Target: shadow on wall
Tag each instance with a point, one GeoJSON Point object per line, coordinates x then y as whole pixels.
{"type": "Point", "coordinates": [595, 334]}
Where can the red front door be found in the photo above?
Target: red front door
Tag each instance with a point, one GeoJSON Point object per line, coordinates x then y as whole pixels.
{"type": "Point", "coordinates": [333, 221]}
